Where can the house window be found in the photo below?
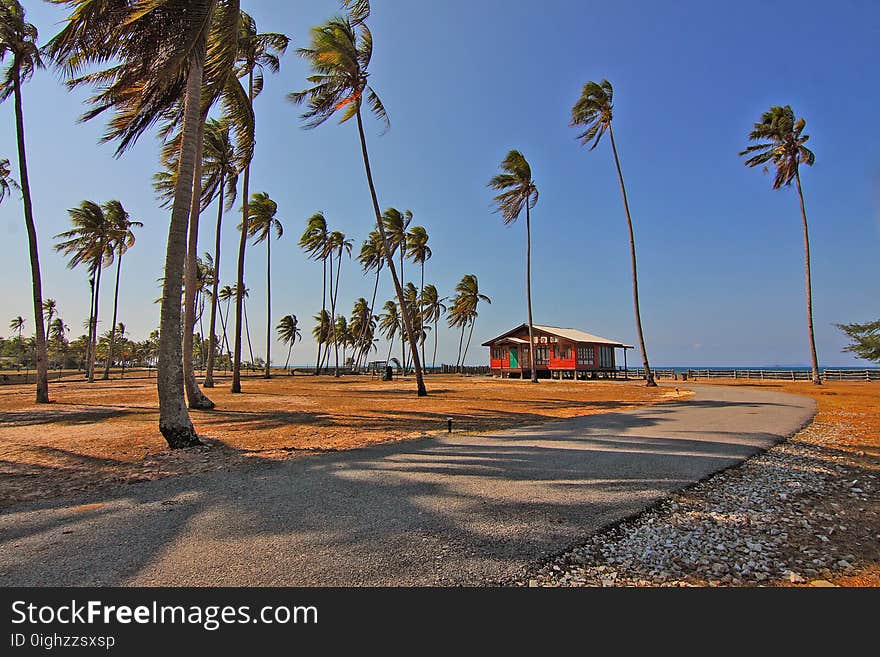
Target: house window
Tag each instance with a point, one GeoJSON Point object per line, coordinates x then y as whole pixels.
{"type": "Point", "coordinates": [561, 352]}
{"type": "Point", "coordinates": [586, 355]}
{"type": "Point", "coordinates": [497, 353]}
{"type": "Point", "coordinates": [542, 355]}
{"type": "Point", "coordinates": [606, 357]}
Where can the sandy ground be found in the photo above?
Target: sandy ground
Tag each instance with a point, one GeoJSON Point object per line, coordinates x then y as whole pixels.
{"type": "Point", "coordinates": [105, 433]}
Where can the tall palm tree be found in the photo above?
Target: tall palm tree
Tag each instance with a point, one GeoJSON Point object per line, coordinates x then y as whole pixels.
{"type": "Point", "coordinates": [372, 257]}
{"type": "Point", "coordinates": [225, 295]}
{"type": "Point", "coordinates": [341, 335]}
{"type": "Point", "coordinates": [262, 222]}
{"type": "Point", "coordinates": [360, 326]}
{"type": "Point", "coordinates": [781, 142]}
{"type": "Point", "coordinates": [466, 302]}
{"type": "Point", "coordinates": [321, 331]}
{"type": "Point", "coordinates": [220, 168]}
{"type": "Point", "coordinates": [256, 52]}
{"type": "Point", "coordinates": [314, 242]}
{"type": "Point", "coordinates": [121, 240]}
{"type": "Point", "coordinates": [161, 57]}
{"type": "Point", "coordinates": [17, 325]}
{"type": "Point", "coordinates": [337, 244]}
{"type": "Point", "coordinates": [289, 333]}
{"type": "Point", "coordinates": [517, 192]}
{"type": "Point", "coordinates": [389, 324]}
{"type": "Point", "coordinates": [339, 56]}
{"type": "Point", "coordinates": [89, 243]}
{"type": "Point", "coordinates": [396, 227]}
{"type": "Point", "coordinates": [50, 308]}
{"type": "Point", "coordinates": [593, 113]}
{"type": "Point", "coordinates": [433, 309]}
{"type": "Point", "coordinates": [18, 40]}
{"type": "Point", "coordinates": [419, 252]}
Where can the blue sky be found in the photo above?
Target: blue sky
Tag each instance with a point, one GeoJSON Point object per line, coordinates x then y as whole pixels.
{"type": "Point", "coordinates": [720, 253]}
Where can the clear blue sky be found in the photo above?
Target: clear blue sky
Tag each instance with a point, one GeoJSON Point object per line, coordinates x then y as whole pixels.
{"type": "Point", "coordinates": [720, 253]}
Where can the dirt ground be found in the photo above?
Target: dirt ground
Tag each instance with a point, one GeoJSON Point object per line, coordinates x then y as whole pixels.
{"type": "Point", "coordinates": [105, 433]}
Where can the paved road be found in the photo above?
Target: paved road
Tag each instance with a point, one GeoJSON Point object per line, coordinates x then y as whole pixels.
{"type": "Point", "coordinates": [464, 510]}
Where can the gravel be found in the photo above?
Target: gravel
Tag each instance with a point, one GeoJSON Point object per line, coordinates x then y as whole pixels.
{"type": "Point", "coordinates": [798, 514]}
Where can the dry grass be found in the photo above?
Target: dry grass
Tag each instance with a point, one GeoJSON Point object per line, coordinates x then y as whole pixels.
{"type": "Point", "coordinates": [105, 433]}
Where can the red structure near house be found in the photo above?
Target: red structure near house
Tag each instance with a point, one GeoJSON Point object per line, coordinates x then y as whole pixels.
{"type": "Point", "coordinates": [563, 353]}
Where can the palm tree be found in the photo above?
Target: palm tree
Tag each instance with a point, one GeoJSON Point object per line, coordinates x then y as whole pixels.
{"type": "Point", "coordinates": [339, 56]}
{"type": "Point", "coordinates": [225, 294]}
{"type": "Point", "coordinates": [18, 39]}
{"type": "Point", "coordinates": [336, 243]}
{"type": "Point", "coordinates": [121, 240]}
{"type": "Point", "coordinates": [220, 168]}
{"type": "Point", "coordinates": [7, 182]}
{"type": "Point", "coordinates": [247, 331]}
{"type": "Point", "coordinates": [465, 307]}
{"type": "Point", "coordinates": [50, 308]}
{"type": "Point", "coordinates": [262, 222]}
{"type": "Point", "coordinates": [314, 242]}
{"type": "Point", "coordinates": [593, 113]}
{"type": "Point", "coordinates": [432, 309]}
{"type": "Point", "coordinates": [372, 257]}
{"type": "Point", "coordinates": [17, 325]}
{"type": "Point", "coordinates": [419, 252]}
{"type": "Point", "coordinates": [89, 243]}
{"type": "Point", "coordinates": [396, 227]}
{"type": "Point", "coordinates": [389, 324]}
{"type": "Point", "coordinates": [161, 57]}
{"type": "Point", "coordinates": [321, 332]}
{"type": "Point", "coordinates": [360, 327]}
{"type": "Point", "coordinates": [289, 333]}
{"type": "Point", "coordinates": [341, 336]}
{"type": "Point", "coordinates": [256, 52]}
{"type": "Point", "coordinates": [780, 141]}
{"type": "Point", "coordinates": [517, 192]}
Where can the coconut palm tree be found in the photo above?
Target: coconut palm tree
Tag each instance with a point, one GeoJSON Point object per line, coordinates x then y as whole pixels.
{"type": "Point", "coordinates": [262, 222]}
{"type": "Point", "coordinates": [89, 243]}
{"type": "Point", "coordinates": [389, 324]}
{"type": "Point", "coordinates": [337, 244]}
{"type": "Point", "coordinates": [7, 182]}
{"type": "Point", "coordinates": [419, 252]}
{"type": "Point", "coordinates": [433, 309]}
{"type": "Point", "coordinates": [372, 258]}
{"type": "Point", "coordinates": [360, 327]}
{"type": "Point", "coordinates": [50, 308]}
{"type": "Point", "coordinates": [289, 333]}
{"type": "Point", "coordinates": [593, 113]}
{"type": "Point", "coordinates": [465, 305]}
{"type": "Point", "coordinates": [256, 52]}
{"type": "Point", "coordinates": [518, 192]}
{"type": "Point", "coordinates": [221, 163]}
{"type": "Point", "coordinates": [781, 142]}
{"type": "Point", "coordinates": [339, 56]}
{"type": "Point", "coordinates": [161, 57]}
{"type": "Point", "coordinates": [225, 295]}
{"type": "Point", "coordinates": [18, 41]}
{"type": "Point", "coordinates": [396, 227]}
{"type": "Point", "coordinates": [314, 242]}
{"type": "Point", "coordinates": [321, 331]}
{"type": "Point", "coordinates": [341, 336]}
{"type": "Point", "coordinates": [121, 240]}
{"type": "Point", "coordinates": [17, 325]}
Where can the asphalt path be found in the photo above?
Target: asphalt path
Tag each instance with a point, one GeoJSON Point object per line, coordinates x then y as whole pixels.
{"type": "Point", "coordinates": [463, 509]}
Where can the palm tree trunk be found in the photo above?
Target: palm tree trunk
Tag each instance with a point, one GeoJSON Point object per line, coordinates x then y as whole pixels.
{"type": "Point", "coordinates": [364, 349]}
{"type": "Point", "coordinates": [225, 338]}
{"type": "Point", "coordinates": [85, 364]}
{"type": "Point", "coordinates": [113, 326]}
{"type": "Point", "coordinates": [407, 324]}
{"type": "Point", "coordinates": [422, 312]}
{"type": "Point", "coordinates": [197, 399]}
{"type": "Point", "coordinates": [42, 356]}
{"type": "Point", "coordinates": [242, 246]}
{"type": "Point", "coordinates": [434, 359]}
{"type": "Point", "coordinates": [335, 297]}
{"type": "Point", "coordinates": [209, 367]}
{"type": "Point", "coordinates": [649, 376]}
{"type": "Point", "coordinates": [247, 332]}
{"type": "Point", "coordinates": [287, 362]}
{"type": "Point", "coordinates": [814, 360]}
{"type": "Point", "coordinates": [268, 303]}
{"type": "Point", "coordinates": [323, 310]}
{"type": "Point", "coordinates": [94, 334]}
{"type": "Point", "coordinates": [468, 343]}
{"type": "Point", "coordinates": [460, 344]}
{"type": "Point", "coordinates": [390, 348]}
{"type": "Point", "coordinates": [529, 293]}
{"type": "Point", "coordinates": [174, 420]}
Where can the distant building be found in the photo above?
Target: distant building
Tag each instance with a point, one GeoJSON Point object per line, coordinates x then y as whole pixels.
{"type": "Point", "coordinates": [563, 353]}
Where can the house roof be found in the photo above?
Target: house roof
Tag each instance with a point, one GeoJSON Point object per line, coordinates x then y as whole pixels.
{"type": "Point", "coordinates": [567, 333]}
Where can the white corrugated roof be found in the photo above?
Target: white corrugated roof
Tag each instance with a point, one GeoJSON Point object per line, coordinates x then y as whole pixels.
{"type": "Point", "coordinates": [567, 333]}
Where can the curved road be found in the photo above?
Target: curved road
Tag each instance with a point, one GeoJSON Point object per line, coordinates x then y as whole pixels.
{"type": "Point", "coordinates": [462, 510]}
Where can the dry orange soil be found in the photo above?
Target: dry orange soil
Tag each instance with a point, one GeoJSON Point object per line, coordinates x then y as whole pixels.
{"type": "Point", "coordinates": [105, 433]}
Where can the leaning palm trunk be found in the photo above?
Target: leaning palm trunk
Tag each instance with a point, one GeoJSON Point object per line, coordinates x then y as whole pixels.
{"type": "Point", "coordinates": [197, 399]}
{"type": "Point", "coordinates": [113, 325]}
{"type": "Point", "coordinates": [93, 334]}
{"type": "Point", "coordinates": [468, 343]}
{"type": "Point", "coordinates": [268, 304]}
{"type": "Point", "coordinates": [85, 364]}
{"type": "Point", "coordinates": [242, 246]}
{"type": "Point", "coordinates": [42, 358]}
{"type": "Point", "coordinates": [814, 360]}
{"type": "Point", "coordinates": [333, 305]}
{"type": "Point", "coordinates": [174, 420]}
{"type": "Point", "coordinates": [528, 295]}
{"type": "Point", "coordinates": [407, 324]}
{"type": "Point", "coordinates": [434, 359]}
{"type": "Point", "coordinates": [460, 343]}
{"type": "Point", "coordinates": [323, 310]}
{"type": "Point", "coordinates": [212, 324]}
{"type": "Point", "coordinates": [649, 376]}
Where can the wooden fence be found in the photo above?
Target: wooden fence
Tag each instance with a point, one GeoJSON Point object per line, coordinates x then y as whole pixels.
{"type": "Point", "coordinates": [786, 375]}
